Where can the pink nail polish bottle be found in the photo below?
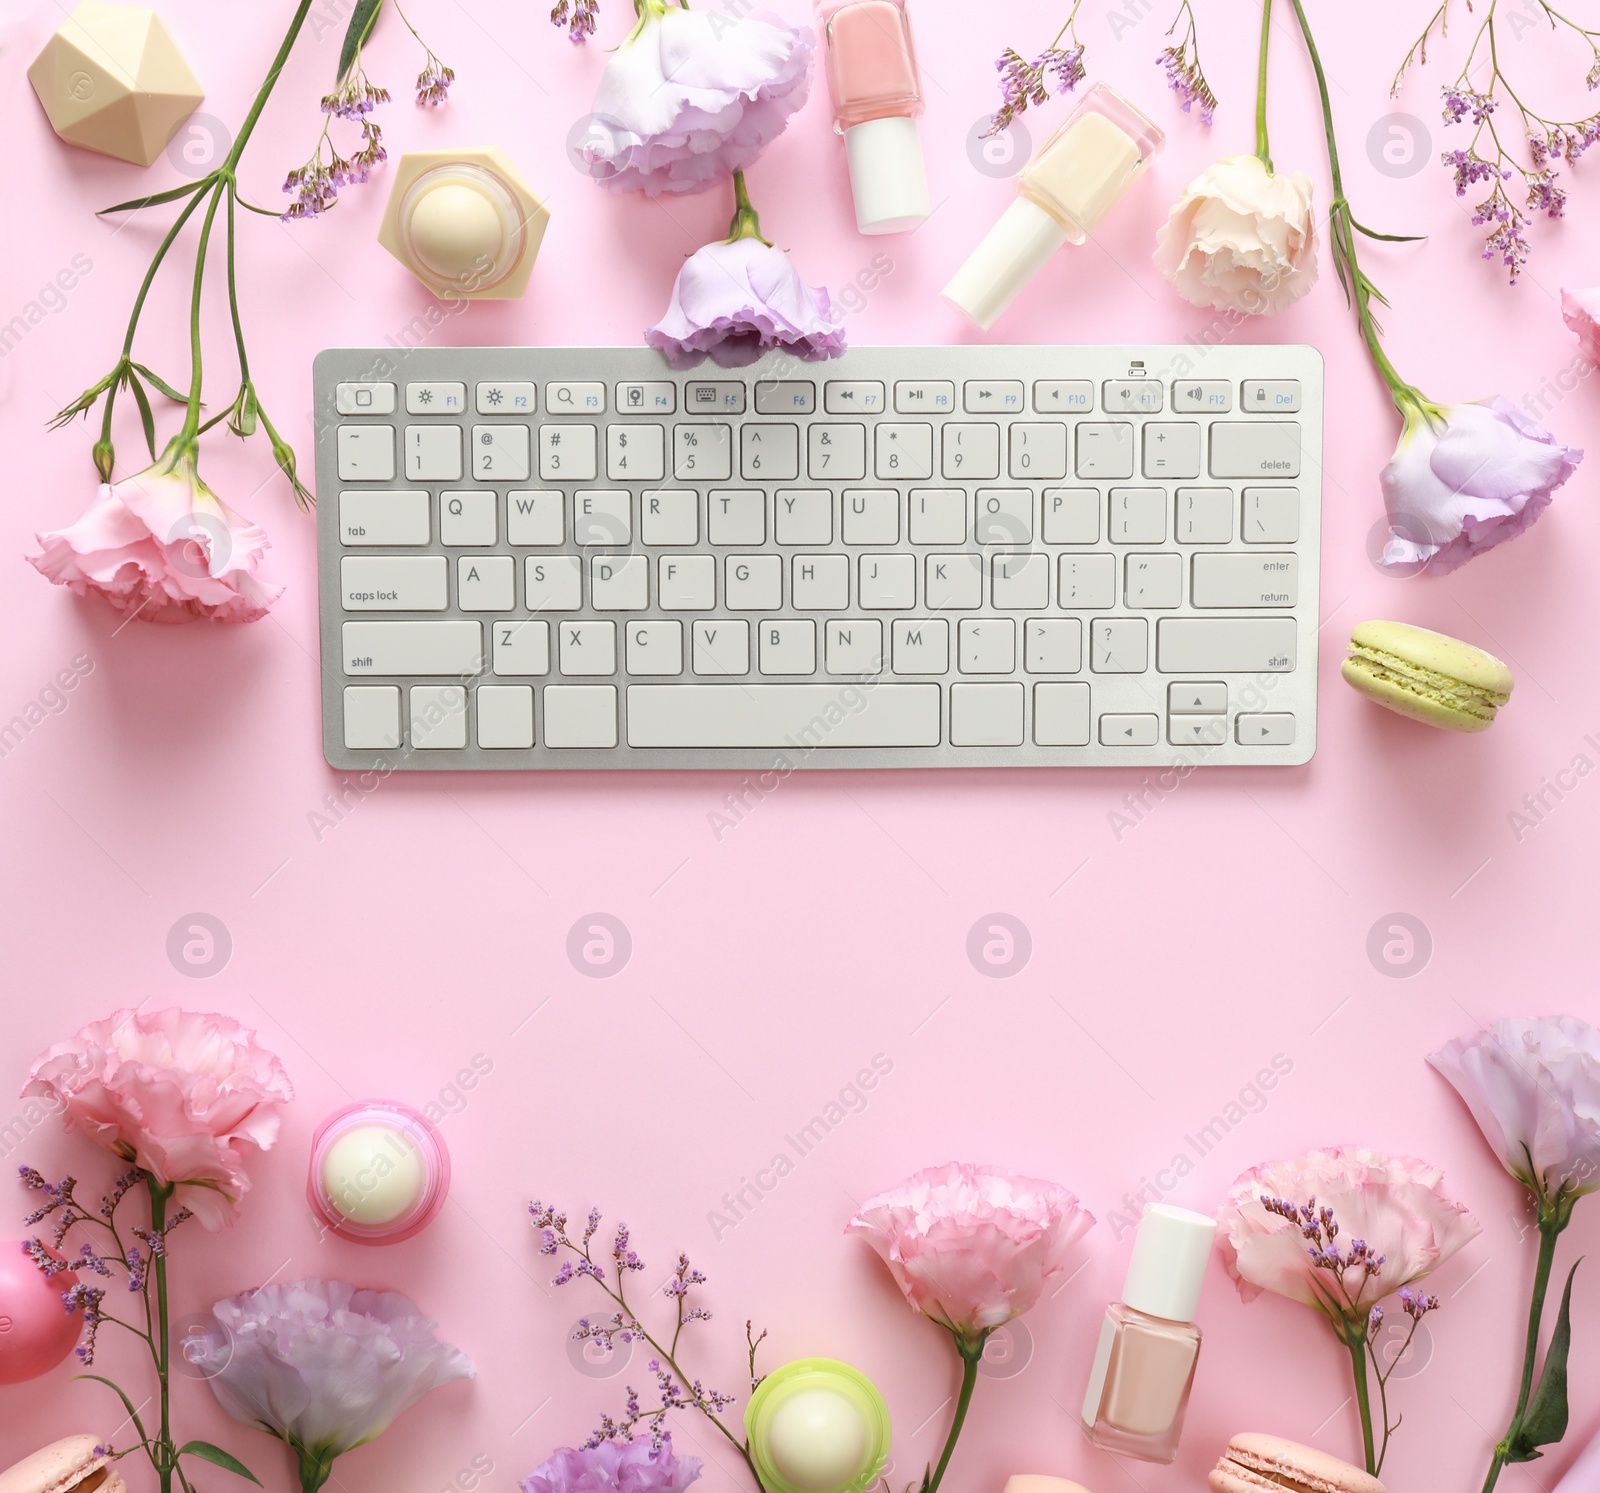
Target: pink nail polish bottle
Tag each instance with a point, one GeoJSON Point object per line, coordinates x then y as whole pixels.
{"type": "Point", "coordinates": [877, 95]}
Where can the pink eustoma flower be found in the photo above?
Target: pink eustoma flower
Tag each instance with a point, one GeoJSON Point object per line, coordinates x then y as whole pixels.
{"type": "Point", "coordinates": [1580, 309]}
{"type": "Point", "coordinates": [634, 1466]}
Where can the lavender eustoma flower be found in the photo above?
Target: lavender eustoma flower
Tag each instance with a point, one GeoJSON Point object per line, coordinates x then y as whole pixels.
{"type": "Point", "coordinates": [692, 96]}
{"type": "Point", "coordinates": [635, 1466]}
{"type": "Point", "coordinates": [1464, 478]}
{"type": "Point", "coordinates": [320, 1364]}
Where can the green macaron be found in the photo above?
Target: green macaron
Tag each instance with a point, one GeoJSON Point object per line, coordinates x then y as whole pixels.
{"type": "Point", "coordinates": [1428, 676]}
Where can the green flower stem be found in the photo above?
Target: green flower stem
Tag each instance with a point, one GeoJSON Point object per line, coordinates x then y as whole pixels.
{"type": "Point", "coordinates": [746, 223]}
{"type": "Point", "coordinates": [1354, 1338]}
{"type": "Point", "coordinates": [1263, 150]}
{"type": "Point", "coordinates": [314, 1469]}
{"type": "Point", "coordinates": [1551, 1223]}
{"type": "Point", "coordinates": [971, 1357]}
{"type": "Point", "coordinates": [165, 1460]}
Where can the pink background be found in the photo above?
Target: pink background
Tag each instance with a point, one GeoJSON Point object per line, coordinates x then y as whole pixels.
{"type": "Point", "coordinates": [428, 926]}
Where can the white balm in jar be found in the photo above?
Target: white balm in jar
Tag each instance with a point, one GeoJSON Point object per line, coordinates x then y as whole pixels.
{"type": "Point", "coordinates": [379, 1172]}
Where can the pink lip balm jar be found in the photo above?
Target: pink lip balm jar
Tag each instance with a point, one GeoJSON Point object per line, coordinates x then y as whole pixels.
{"type": "Point", "coordinates": [379, 1172]}
{"type": "Point", "coordinates": [877, 95]}
{"type": "Point", "coordinates": [36, 1332]}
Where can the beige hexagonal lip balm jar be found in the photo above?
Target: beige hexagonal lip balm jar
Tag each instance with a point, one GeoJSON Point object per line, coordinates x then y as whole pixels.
{"type": "Point", "coordinates": [464, 222]}
{"type": "Point", "coordinates": [112, 80]}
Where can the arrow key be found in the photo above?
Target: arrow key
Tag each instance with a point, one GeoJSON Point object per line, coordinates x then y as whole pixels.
{"type": "Point", "coordinates": [1265, 730]}
{"type": "Point", "coordinates": [1129, 730]}
{"type": "Point", "coordinates": [1197, 730]}
{"type": "Point", "coordinates": [1197, 699]}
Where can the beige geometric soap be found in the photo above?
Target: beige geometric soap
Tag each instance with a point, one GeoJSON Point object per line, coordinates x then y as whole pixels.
{"type": "Point", "coordinates": [464, 222]}
{"type": "Point", "coordinates": [112, 80]}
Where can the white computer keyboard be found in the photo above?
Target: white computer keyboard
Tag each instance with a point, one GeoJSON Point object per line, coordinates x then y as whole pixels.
{"type": "Point", "coordinates": [906, 557]}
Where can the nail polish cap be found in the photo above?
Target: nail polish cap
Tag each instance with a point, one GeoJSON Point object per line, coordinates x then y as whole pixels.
{"type": "Point", "coordinates": [1011, 254]}
{"type": "Point", "coordinates": [886, 174]}
{"type": "Point", "coordinates": [1168, 1268]}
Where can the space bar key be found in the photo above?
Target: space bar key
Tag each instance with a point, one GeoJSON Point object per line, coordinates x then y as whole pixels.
{"type": "Point", "coordinates": [802, 716]}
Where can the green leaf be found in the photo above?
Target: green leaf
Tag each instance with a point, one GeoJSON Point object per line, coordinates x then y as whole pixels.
{"type": "Point", "coordinates": [215, 1455]}
{"type": "Point", "coordinates": [172, 194]}
{"type": "Point", "coordinates": [362, 20]}
{"type": "Point", "coordinates": [146, 418]}
{"type": "Point", "coordinates": [1388, 238]}
{"type": "Point", "coordinates": [127, 1404]}
{"type": "Point", "coordinates": [160, 383]}
{"type": "Point", "coordinates": [1545, 1421]}
{"type": "Point", "coordinates": [244, 421]}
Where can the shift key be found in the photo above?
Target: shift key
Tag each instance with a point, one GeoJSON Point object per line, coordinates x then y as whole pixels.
{"type": "Point", "coordinates": [1255, 448]}
{"type": "Point", "coordinates": [1225, 645]}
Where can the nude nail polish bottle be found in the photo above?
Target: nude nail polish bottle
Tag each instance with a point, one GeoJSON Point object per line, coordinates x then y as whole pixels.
{"type": "Point", "coordinates": [877, 95]}
{"type": "Point", "coordinates": [1144, 1367]}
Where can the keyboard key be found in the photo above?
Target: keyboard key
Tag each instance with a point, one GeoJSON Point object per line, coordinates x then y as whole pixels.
{"type": "Point", "coordinates": [1278, 396]}
{"type": "Point", "coordinates": [521, 647]}
{"type": "Point", "coordinates": [1130, 730]}
{"type": "Point", "coordinates": [713, 397]}
{"type": "Point", "coordinates": [1119, 645]}
{"type": "Point", "coordinates": [506, 398]}
{"type": "Point", "coordinates": [565, 397]}
{"type": "Point", "coordinates": [536, 517]}
{"type": "Point", "coordinates": [1005, 515]}
{"type": "Point", "coordinates": [687, 583]}
{"type": "Point", "coordinates": [433, 453]}
{"type": "Point", "coordinates": [500, 453]}
{"type": "Point", "coordinates": [1171, 449]}
{"type": "Point", "coordinates": [1255, 448]}
{"type": "Point", "coordinates": [1225, 645]}
{"type": "Point", "coordinates": [1088, 583]}
{"type": "Point", "coordinates": [364, 399]}
{"type": "Point", "coordinates": [1053, 645]}
{"type": "Point", "coordinates": [1061, 714]}
{"type": "Point", "coordinates": [788, 647]}
{"type": "Point", "coordinates": [486, 583]}
{"type": "Point", "coordinates": [436, 399]}
{"type": "Point", "coordinates": [722, 647]}
{"type": "Point", "coordinates": [1274, 729]}
{"type": "Point", "coordinates": [986, 714]}
{"type": "Point", "coordinates": [505, 716]}
{"type": "Point", "coordinates": [1271, 515]}
{"type": "Point", "coordinates": [467, 518]}
{"type": "Point", "coordinates": [372, 711]}
{"type": "Point", "coordinates": [1038, 452]}
{"type": "Point", "coordinates": [1197, 699]}
{"type": "Point", "coordinates": [992, 396]}
{"type": "Point", "coordinates": [394, 583]}
{"type": "Point", "coordinates": [1019, 583]}
{"type": "Point", "coordinates": [938, 516]}
{"type": "Point", "coordinates": [438, 717]}
{"type": "Point", "coordinates": [655, 647]}
{"type": "Point", "coordinates": [857, 397]}
{"type": "Point", "coordinates": [737, 516]}
{"type": "Point", "coordinates": [366, 453]}
{"type": "Point", "coordinates": [954, 583]}
{"type": "Point", "coordinates": [1136, 395]}
{"type": "Point", "coordinates": [871, 516]}
{"type": "Point", "coordinates": [986, 645]}
{"type": "Point", "coordinates": [602, 518]}
{"type": "Point", "coordinates": [619, 583]}
{"type": "Point", "coordinates": [636, 453]}
{"type": "Point", "coordinates": [853, 646]}
{"type": "Point", "coordinates": [903, 453]}
{"type": "Point", "coordinates": [836, 453]}
{"type": "Point", "coordinates": [397, 518]}
{"type": "Point", "coordinates": [567, 453]}
{"type": "Point", "coordinates": [1063, 397]}
{"type": "Point", "coordinates": [786, 397]}
{"type": "Point", "coordinates": [1197, 730]}
{"type": "Point", "coordinates": [1105, 449]}
{"type": "Point", "coordinates": [702, 453]}
{"type": "Point", "coordinates": [921, 646]}
{"type": "Point", "coordinates": [670, 517]}
{"type": "Point", "coordinates": [769, 452]}
{"type": "Point", "coordinates": [1071, 515]}
{"type": "Point", "coordinates": [821, 583]}
{"type": "Point", "coordinates": [588, 647]}
{"type": "Point", "coordinates": [651, 397]}
{"type": "Point", "coordinates": [425, 648]}
{"type": "Point", "coordinates": [1153, 581]}
{"type": "Point", "coordinates": [812, 716]}
{"type": "Point", "coordinates": [753, 583]}
{"type": "Point", "coordinates": [804, 517]}
{"type": "Point", "coordinates": [1246, 580]}
{"type": "Point", "coordinates": [888, 582]}
{"type": "Point", "coordinates": [915, 397]}
{"type": "Point", "coordinates": [551, 583]}
{"type": "Point", "coordinates": [1138, 515]}
{"type": "Point", "coordinates": [971, 452]}
{"type": "Point", "coordinates": [1207, 396]}
{"type": "Point", "coordinates": [1205, 515]}
{"type": "Point", "coordinates": [580, 715]}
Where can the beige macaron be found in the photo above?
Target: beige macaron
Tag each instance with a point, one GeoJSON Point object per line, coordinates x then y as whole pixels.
{"type": "Point", "coordinates": [1255, 1462]}
{"type": "Point", "coordinates": [1033, 1482]}
{"type": "Point", "coordinates": [1428, 676]}
{"type": "Point", "coordinates": [75, 1464]}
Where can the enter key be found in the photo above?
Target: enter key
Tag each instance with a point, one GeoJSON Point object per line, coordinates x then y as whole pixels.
{"type": "Point", "coordinates": [1246, 580]}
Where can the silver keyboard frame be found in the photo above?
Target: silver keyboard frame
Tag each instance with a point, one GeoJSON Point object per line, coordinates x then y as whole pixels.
{"type": "Point", "coordinates": [1294, 691]}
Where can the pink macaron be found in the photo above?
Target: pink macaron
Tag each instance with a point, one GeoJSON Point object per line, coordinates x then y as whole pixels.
{"type": "Point", "coordinates": [1254, 1462]}
{"type": "Point", "coordinates": [75, 1463]}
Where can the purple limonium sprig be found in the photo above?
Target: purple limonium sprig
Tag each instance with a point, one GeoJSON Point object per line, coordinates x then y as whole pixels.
{"type": "Point", "coordinates": [578, 16]}
{"type": "Point", "coordinates": [1181, 61]}
{"type": "Point", "coordinates": [1057, 70]}
{"type": "Point", "coordinates": [676, 1388]}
